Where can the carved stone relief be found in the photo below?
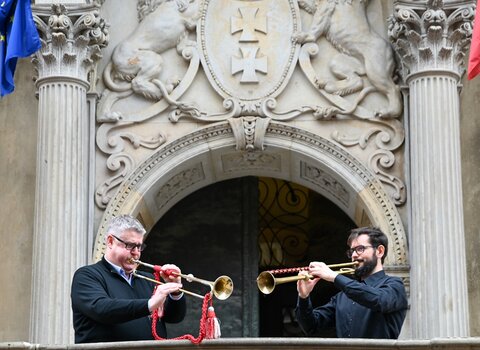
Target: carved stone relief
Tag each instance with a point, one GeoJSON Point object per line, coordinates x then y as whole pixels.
{"type": "Point", "coordinates": [247, 161]}
{"type": "Point", "coordinates": [249, 132]}
{"type": "Point", "coordinates": [251, 55]}
{"type": "Point", "coordinates": [112, 141]}
{"type": "Point", "coordinates": [178, 182]}
{"type": "Point", "coordinates": [72, 42]}
{"type": "Point", "coordinates": [363, 56]}
{"type": "Point", "coordinates": [326, 181]}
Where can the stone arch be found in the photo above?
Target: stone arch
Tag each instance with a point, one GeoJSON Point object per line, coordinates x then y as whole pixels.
{"type": "Point", "coordinates": [211, 154]}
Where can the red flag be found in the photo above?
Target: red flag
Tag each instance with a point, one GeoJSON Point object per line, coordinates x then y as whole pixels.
{"type": "Point", "coordinates": [474, 58]}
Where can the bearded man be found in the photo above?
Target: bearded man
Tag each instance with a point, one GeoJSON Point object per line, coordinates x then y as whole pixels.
{"type": "Point", "coordinates": [374, 306]}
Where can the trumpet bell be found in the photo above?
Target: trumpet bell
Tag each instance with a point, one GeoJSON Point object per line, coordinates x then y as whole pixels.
{"type": "Point", "coordinates": [222, 287]}
{"type": "Point", "coordinates": [266, 282]}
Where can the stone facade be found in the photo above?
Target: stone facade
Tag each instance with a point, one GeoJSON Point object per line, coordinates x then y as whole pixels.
{"type": "Point", "coordinates": [130, 121]}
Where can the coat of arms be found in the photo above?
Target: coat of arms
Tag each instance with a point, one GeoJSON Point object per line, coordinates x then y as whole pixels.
{"type": "Point", "coordinates": [248, 50]}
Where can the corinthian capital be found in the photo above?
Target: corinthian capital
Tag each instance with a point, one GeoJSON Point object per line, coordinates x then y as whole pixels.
{"type": "Point", "coordinates": [72, 39]}
{"type": "Point", "coordinates": [431, 35]}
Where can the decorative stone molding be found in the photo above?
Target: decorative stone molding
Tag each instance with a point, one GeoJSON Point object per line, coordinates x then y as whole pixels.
{"type": "Point", "coordinates": [247, 161]}
{"type": "Point", "coordinates": [431, 35]}
{"type": "Point", "coordinates": [112, 140]}
{"type": "Point", "coordinates": [177, 183]}
{"type": "Point", "coordinates": [322, 179]}
{"type": "Point", "coordinates": [388, 137]}
{"type": "Point", "coordinates": [72, 39]}
{"type": "Point", "coordinates": [249, 132]}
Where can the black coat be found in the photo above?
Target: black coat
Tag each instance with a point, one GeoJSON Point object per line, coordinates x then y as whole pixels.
{"type": "Point", "coordinates": [106, 308]}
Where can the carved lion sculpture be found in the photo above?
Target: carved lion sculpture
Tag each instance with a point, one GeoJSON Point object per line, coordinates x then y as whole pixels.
{"type": "Point", "coordinates": [344, 23]}
{"type": "Point", "coordinates": [137, 61]}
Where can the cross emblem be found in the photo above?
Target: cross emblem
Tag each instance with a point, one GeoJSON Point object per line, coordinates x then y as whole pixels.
{"type": "Point", "coordinates": [248, 24]}
{"type": "Point", "coordinates": [249, 64]}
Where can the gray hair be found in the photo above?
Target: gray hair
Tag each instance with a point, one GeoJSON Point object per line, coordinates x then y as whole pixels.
{"type": "Point", "coordinates": [123, 223]}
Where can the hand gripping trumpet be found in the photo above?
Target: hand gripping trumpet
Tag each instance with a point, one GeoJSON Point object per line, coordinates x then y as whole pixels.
{"type": "Point", "coordinates": [222, 287]}
{"type": "Point", "coordinates": [266, 281]}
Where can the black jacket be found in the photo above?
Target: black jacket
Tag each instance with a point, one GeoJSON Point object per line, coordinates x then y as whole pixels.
{"type": "Point", "coordinates": [106, 308]}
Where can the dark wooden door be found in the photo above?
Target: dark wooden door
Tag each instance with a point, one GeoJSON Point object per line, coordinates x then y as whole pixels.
{"type": "Point", "coordinates": [213, 232]}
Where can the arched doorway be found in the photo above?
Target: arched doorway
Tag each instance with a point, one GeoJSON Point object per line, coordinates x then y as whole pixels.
{"type": "Point", "coordinates": [243, 226]}
{"type": "Point", "coordinates": [211, 155]}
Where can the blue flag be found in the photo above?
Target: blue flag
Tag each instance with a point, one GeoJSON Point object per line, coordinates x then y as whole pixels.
{"type": "Point", "coordinates": [18, 38]}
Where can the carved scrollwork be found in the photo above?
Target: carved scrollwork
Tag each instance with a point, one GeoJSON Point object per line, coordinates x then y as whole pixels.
{"type": "Point", "coordinates": [119, 162]}
{"type": "Point", "coordinates": [380, 161]}
{"type": "Point", "coordinates": [388, 137]}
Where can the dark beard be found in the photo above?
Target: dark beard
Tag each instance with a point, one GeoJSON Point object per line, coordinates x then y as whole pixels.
{"type": "Point", "coordinates": [365, 270]}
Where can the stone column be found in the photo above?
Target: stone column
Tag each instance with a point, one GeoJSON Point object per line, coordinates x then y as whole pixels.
{"type": "Point", "coordinates": [431, 38]}
{"type": "Point", "coordinates": [71, 42]}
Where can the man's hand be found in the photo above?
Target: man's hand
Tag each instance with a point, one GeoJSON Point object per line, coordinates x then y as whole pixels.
{"type": "Point", "coordinates": [305, 286]}
{"type": "Point", "coordinates": [170, 273]}
{"type": "Point", "coordinates": [318, 270]}
{"type": "Point", "coordinates": [163, 290]}
{"type": "Point", "coordinates": [321, 270]}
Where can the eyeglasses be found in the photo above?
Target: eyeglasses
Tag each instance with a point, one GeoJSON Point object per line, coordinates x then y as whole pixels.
{"type": "Point", "coordinates": [359, 249]}
{"type": "Point", "coordinates": [132, 246]}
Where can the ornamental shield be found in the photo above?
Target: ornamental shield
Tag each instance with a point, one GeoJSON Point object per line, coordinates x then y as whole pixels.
{"type": "Point", "coordinates": [246, 46]}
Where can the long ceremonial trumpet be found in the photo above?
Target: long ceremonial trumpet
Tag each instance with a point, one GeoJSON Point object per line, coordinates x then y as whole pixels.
{"type": "Point", "coordinates": [266, 280]}
{"type": "Point", "coordinates": [222, 287]}
{"type": "Point", "coordinates": [136, 274]}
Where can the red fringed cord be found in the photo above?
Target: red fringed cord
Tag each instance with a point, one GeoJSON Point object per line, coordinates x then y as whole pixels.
{"type": "Point", "coordinates": [204, 332]}
{"type": "Point", "coordinates": [213, 324]}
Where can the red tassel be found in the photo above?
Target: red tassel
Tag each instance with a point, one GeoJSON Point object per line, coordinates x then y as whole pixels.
{"type": "Point", "coordinates": [213, 325]}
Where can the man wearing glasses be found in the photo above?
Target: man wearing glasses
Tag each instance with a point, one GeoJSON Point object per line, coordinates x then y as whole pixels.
{"type": "Point", "coordinates": [110, 304]}
{"type": "Point", "coordinates": [374, 306]}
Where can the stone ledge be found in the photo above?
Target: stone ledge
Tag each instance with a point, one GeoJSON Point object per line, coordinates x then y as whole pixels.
{"type": "Point", "coordinates": [268, 344]}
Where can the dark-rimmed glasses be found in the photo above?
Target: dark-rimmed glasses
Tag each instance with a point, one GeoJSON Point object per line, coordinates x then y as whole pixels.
{"type": "Point", "coordinates": [131, 246]}
{"type": "Point", "coordinates": [359, 249]}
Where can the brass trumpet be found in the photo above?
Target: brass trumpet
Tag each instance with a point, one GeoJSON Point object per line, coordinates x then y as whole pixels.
{"type": "Point", "coordinates": [266, 280]}
{"type": "Point", "coordinates": [222, 287]}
